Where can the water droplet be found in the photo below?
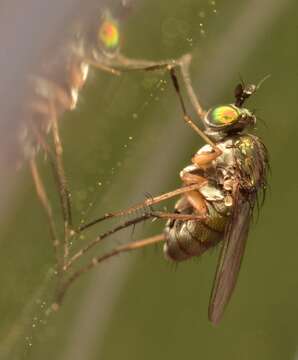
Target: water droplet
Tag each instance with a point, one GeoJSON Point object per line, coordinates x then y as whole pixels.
{"type": "Point", "coordinates": [135, 115]}
{"type": "Point", "coordinates": [202, 14]}
{"type": "Point", "coordinates": [99, 183]}
{"type": "Point", "coordinates": [130, 137]}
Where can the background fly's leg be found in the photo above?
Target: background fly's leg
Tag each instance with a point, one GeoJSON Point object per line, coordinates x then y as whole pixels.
{"type": "Point", "coordinates": [123, 63]}
{"type": "Point", "coordinates": [102, 66]}
{"type": "Point", "coordinates": [43, 198]}
{"type": "Point", "coordinates": [184, 68]}
{"type": "Point", "coordinates": [62, 182]}
{"type": "Point", "coordinates": [146, 203]}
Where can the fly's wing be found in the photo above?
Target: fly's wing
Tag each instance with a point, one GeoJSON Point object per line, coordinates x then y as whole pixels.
{"type": "Point", "coordinates": [230, 257]}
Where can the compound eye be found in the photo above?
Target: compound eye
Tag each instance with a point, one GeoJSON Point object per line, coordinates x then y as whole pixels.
{"type": "Point", "coordinates": [108, 34]}
{"type": "Point", "coordinates": [223, 115]}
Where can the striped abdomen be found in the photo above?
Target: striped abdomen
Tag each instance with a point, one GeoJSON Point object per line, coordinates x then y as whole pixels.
{"type": "Point", "coordinates": [186, 239]}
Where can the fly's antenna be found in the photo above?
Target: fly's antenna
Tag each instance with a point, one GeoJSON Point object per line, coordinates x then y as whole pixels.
{"type": "Point", "coordinates": [262, 81]}
{"type": "Point", "coordinates": [243, 92]}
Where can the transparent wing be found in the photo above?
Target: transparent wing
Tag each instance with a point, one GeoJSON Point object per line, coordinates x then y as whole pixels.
{"type": "Point", "coordinates": [230, 257]}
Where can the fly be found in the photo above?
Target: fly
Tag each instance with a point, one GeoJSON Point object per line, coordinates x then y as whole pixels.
{"type": "Point", "coordinates": [54, 88]}
{"type": "Point", "coordinates": [219, 190]}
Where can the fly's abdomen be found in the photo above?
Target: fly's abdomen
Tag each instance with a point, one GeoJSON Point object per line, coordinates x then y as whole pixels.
{"type": "Point", "coordinates": [186, 239]}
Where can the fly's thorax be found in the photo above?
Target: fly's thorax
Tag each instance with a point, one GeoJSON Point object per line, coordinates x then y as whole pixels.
{"type": "Point", "coordinates": [252, 162]}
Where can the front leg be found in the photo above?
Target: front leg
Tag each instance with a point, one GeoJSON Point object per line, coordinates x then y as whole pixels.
{"type": "Point", "coordinates": [204, 160]}
{"type": "Point", "coordinates": [194, 197]}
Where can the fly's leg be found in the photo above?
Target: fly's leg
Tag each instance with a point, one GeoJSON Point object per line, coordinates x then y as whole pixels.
{"type": "Point", "coordinates": [123, 248]}
{"type": "Point", "coordinates": [147, 203]}
{"type": "Point", "coordinates": [102, 66]}
{"type": "Point", "coordinates": [62, 182]}
{"type": "Point", "coordinates": [188, 119]}
{"type": "Point", "coordinates": [121, 63]}
{"type": "Point", "coordinates": [149, 215]}
{"type": "Point", "coordinates": [194, 197]}
{"type": "Point", "coordinates": [43, 198]}
{"type": "Point", "coordinates": [127, 64]}
{"type": "Point", "coordinates": [170, 65]}
{"type": "Point", "coordinates": [99, 259]}
{"type": "Point", "coordinates": [49, 97]}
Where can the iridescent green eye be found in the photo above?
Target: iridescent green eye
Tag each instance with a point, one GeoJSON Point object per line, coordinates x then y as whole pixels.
{"type": "Point", "coordinates": [108, 34]}
{"type": "Point", "coordinates": [222, 116]}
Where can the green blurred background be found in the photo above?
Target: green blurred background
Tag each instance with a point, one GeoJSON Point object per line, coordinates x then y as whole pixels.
{"type": "Point", "coordinates": [126, 139]}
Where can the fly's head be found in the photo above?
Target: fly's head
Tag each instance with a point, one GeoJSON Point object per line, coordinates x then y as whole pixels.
{"type": "Point", "coordinates": [243, 92]}
{"type": "Point", "coordinates": [227, 119]}
{"type": "Point", "coordinates": [233, 118]}
{"type": "Point", "coordinates": [108, 34]}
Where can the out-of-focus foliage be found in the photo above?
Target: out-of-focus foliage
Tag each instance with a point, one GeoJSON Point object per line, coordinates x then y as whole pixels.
{"type": "Point", "coordinates": [126, 139]}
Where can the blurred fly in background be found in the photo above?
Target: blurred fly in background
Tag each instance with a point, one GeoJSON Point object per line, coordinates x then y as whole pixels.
{"type": "Point", "coordinates": [53, 89]}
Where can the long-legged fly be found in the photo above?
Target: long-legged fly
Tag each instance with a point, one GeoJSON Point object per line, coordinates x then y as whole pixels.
{"type": "Point", "coordinates": [219, 190]}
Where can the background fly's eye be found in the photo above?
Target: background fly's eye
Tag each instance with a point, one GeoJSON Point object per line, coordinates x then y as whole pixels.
{"type": "Point", "coordinates": [222, 115]}
{"type": "Point", "coordinates": [109, 34]}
